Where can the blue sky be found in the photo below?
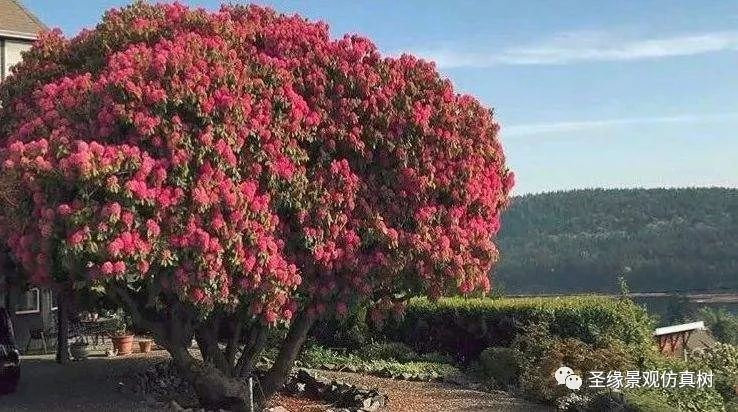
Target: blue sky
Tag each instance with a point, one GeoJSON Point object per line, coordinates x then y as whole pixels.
{"type": "Point", "coordinates": [589, 93]}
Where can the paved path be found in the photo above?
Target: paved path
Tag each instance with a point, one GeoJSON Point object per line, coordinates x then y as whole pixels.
{"type": "Point", "coordinates": [90, 385]}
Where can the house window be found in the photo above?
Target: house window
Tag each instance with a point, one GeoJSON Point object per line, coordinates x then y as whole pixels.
{"type": "Point", "coordinates": [29, 302]}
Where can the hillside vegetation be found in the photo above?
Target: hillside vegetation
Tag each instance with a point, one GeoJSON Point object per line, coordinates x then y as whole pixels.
{"type": "Point", "coordinates": [579, 241]}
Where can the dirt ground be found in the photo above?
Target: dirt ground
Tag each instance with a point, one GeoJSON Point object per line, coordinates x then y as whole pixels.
{"type": "Point", "coordinates": [406, 396]}
{"type": "Point", "coordinates": [98, 384]}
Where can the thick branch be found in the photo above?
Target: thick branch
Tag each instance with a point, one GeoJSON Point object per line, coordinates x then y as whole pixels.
{"type": "Point", "coordinates": [207, 339]}
{"type": "Point", "coordinates": [251, 351]}
{"type": "Point", "coordinates": [235, 338]}
{"type": "Point", "coordinates": [130, 303]}
{"type": "Point", "coordinates": [181, 322]}
{"type": "Point", "coordinates": [275, 378]}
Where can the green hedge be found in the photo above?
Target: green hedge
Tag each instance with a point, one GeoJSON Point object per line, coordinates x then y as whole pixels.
{"type": "Point", "coordinates": [465, 327]}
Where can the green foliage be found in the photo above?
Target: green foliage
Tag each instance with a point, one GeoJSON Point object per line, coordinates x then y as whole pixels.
{"type": "Point", "coordinates": [389, 351]}
{"type": "Point", "coordinates": [465, 327]}
{"type": "Point", "coordinates": [688, 399]}
{"type": "Point", "coordinates": [350, 332]}
{"type": "Point", "coordinates": [539, 354]}
{"type": "Point", "coordinates": [646, 401]}
{"type": "Point", "coordinates": [500, 364]}
{"type": "Point", "coordinates": [436, 357]}
{"type": "Point", "coordinates": [722, 324]}
{"type": "Point", "coordinates": [722, 360]}
{"type": "Point", "coordinates": [580, 241]}
{"type": "Point", "coordinates": [319, 357]}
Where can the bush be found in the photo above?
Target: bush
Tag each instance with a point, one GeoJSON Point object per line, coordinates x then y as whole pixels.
{"type": "Point", "coordinates": [688, 399]}
{"type": "Point", "coordinates": [722, 360]}
{"type": "Point", "coordinates": [319, 357]}
{"type": "Point", "coordinates": [647, 401]}
{"type": "Point", "coordinates": [500, 364]}
{"type": "Point", "coordinates": [465, 327]}
{"type": "Point", "coordinates": [632, 401]}
{"type": "Point", "coordinates": [539, 354]}
{"type": "Point", "coordinates": [722, 324]}
{"type": "Point", "coordinates": [436, 357]}
{"type": "Point", "coordinates": [389, 351]}
{"type": "Point", "coordinates": [351, 332]}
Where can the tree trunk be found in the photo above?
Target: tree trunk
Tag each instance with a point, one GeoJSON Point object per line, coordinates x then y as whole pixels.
{"type": "Point", "coordinates": [277, 375]}
{"type": "Point", "coordinates": [62, 321]}
{"type": "Point", "coordinates": [214, 389]}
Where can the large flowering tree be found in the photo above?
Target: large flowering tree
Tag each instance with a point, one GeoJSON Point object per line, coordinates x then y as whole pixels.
{"type": "Point", "coordinates": [222, 173]}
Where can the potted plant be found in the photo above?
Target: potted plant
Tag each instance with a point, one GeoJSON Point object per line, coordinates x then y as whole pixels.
{"type": "Point", "coordinates": [79, 349]}
{"type": "Point", "coordinates": [145, 344]}
{"type": "Point", "coordinates": [122, 339]}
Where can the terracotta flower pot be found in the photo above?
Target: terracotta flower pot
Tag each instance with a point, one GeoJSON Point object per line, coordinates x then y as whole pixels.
{"type": "Point", "coordinates": [79, 351]}
{"type": "Point", "coordinates": [145, 345]}
{"type": "Point", "coordinates": [123, 344]}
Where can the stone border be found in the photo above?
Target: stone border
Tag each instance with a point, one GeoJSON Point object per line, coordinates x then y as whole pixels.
{"type": "Point", "coordinates": [346, 397]}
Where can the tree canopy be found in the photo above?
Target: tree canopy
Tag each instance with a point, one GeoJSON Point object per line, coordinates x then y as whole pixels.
{"type": "Point", "coordinates": [241, 165]}
{"type": "Point", "coordinates": [579, 241]}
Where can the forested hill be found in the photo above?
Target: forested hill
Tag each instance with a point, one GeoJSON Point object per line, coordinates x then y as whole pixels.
{"type": "Point", "coordinates": [577, 241]}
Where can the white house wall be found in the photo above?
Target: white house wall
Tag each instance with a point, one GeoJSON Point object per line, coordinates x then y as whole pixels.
{"type": "Point", "coordinates": [11, 50]}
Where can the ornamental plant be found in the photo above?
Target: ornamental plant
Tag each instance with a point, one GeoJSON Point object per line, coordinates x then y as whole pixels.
{"type": "Point", "coordinates": [220, 173]}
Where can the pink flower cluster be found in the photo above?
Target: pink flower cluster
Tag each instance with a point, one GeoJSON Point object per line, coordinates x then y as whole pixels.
{"type": "Point", "coordinates": [243, 158]}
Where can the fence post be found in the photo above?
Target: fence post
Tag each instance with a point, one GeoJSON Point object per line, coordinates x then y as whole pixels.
{"type": "Point", "coordinates": [251, 394]}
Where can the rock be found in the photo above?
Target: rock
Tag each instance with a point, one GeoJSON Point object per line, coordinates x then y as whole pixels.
{"type": "Point", "coordinates": [174, 406]}
{"type": "Point", "coordinates": [347, 397]}
{"type": "Point", "coordinates": [278, 408]}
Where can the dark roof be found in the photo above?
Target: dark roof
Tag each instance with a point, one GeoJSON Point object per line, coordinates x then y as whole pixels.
{"type": "Point", "coordinates": [16, 21]}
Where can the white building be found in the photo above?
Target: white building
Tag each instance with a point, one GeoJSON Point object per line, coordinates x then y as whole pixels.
{"type": "Point", "coordinates": [18, 30]}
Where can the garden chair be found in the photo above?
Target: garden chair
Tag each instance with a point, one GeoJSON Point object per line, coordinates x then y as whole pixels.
{"type": "Point", "coordinates": [43, 333]}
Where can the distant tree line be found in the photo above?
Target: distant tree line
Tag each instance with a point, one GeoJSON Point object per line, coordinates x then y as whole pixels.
{"type": "Point", "coordinates": [581, 241]}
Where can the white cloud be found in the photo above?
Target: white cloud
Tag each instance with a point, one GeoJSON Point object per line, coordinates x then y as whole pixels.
{"type": "Point", "coordinates": [577, 126]}
{"type": "Point", "coordinates": [584, 46]}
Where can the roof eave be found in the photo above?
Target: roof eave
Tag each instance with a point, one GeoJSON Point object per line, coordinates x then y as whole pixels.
{"type": "Point", "coordinates": [16, 35]}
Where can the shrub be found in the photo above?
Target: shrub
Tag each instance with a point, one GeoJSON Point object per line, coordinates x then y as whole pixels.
{"type": "Point", "coordinates": [647, 401]}
{"type": "Point", "coordinates": [242, 166]}
{"type": "Point", "coordinates": [632, 401]}
{"type": "Point", "coordinates": [539, 354]}
{"type": "Point", "coordinates": [722, 360]}
{"type": "Point", "coordinates": [686, 399]}
{"type": "Point", "coordinates": [436, 357]}
{"type": "Point", "coordinates": [319, 357]}
{"type": "Point", "coordinates": [465, 327]}
{"type": "Point", "coordinates": [722, 324]}
{"type": "Point", "coordinates": [351, 332]}
{"type": "Point", "coordinates": [389, 351]}
{"type": "Point", "coordinates": [500, 364]}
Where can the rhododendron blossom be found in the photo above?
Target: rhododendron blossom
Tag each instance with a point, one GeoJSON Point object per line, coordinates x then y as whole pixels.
{"type": "Point", "coordinates": [243, 162]}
